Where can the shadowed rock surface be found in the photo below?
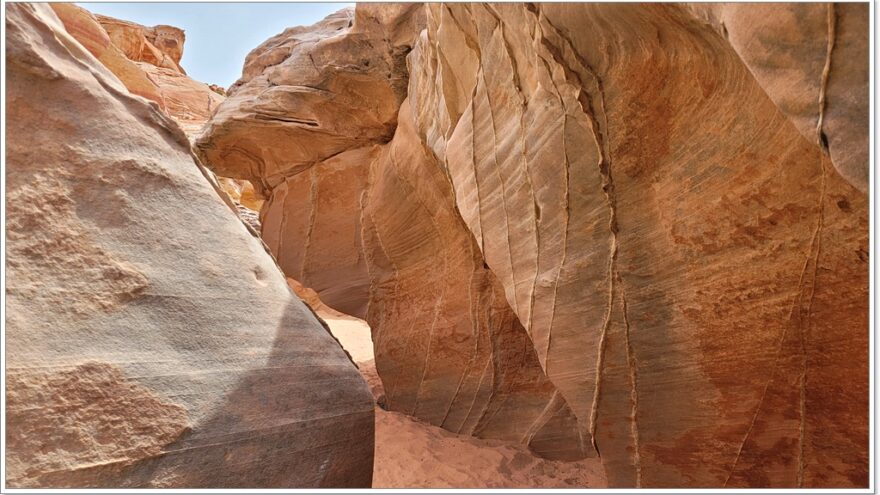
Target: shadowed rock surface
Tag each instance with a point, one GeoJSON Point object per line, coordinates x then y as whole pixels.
{"type": "Point", "coordinates": [151, 340]}
{"type": "Point", "coordinates": [812, 60]}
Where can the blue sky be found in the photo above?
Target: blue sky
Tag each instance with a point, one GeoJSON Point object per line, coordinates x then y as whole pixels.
{"type": "Point", "coordinates": [219, 35]}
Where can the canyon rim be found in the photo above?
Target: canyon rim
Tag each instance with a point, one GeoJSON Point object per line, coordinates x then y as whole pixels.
{"type": "Point", "coordinates": [579, 245]}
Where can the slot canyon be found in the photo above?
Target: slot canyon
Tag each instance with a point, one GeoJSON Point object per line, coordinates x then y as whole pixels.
{"type": "Point", "coordinates": [464, 245]}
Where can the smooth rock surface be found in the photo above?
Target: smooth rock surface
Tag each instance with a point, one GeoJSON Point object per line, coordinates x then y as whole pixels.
{"type": "Point", "coordinates": [448, 347]}
{"type": "Point", "coordinates": [812, 60]}
{"type": "Point", "coordinates": [161, 46]}
{"type": "Point", "coordinates": [373, 229]}
{"type": "Point", "coordinates": [151, 341]}
{"type": "Point", "coordinates": [86, 29]}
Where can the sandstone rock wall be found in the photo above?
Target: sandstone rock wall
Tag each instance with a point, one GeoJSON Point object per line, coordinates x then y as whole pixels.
{"type": "Point", "coordinates": [689, 268]}
{"type": "Point", "coordinates": [146, 60]}
{"type": "Point", "coordinates": [670, 270]}
{"type": "Point", "coordinates": [373, 229]}
{"type": "Point", "coordinates": [448, 347]}
{"type": "Point", "coordinates": [812, 60]}
{"type": "Point", "coordinates": [151, 340]}
{"type": "Point", "coordinates": [161, 46]}
{"type": "Point", "coordinates": [301, 125]}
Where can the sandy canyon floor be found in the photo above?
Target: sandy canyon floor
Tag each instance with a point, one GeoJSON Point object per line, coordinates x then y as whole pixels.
{"type": "Point", "coordinates": [413, 454]}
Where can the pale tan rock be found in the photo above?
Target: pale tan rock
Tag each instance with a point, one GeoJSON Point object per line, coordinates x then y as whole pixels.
{"type": "Point", "coordinates": [296, 87]}
{"type": "Point", "coordinates": [315, 213]}
{"type": "Point", "coordinates": [454, 354]}
{"type": "Point", "coordinates": [280, 129]}
{"type": "Point", "coordinates": [151, 341]}
{"type": "Point", "coordinates": [188, 101]}
{"type": "Point", "coordinates": [448, 348]}
{"type": "Point", "coordinates": [691, 271]}
{"type": "Point", "coordinates": [812, 60]}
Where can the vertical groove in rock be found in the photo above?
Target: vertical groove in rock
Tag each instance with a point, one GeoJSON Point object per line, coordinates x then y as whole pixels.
{"type": "Point", "coordinates": [634, 384]}
{"type": "Point", "coordinates": [313, 213]}
{"type": "Point", "coordinates": [805, 320]}
{"type": "Point", "coordinates": [822, 141]}
{"type": "Point", "coordinates": [497, 170]}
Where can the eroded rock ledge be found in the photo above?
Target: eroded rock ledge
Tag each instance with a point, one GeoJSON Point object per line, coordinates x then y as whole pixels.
{"type": "Point", "coordinates": [599, 229]}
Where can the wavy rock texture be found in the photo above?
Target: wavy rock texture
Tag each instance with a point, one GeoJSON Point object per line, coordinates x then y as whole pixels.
{"type": "Point", "coordinates": [281, 130]}
{"type": "Point", "coordinates": [360, 222]}
{"type": "Point", "coordinates": [596, 225]}
{"type": "Point", "coordinates": [691, 271]}
{"type": "Point", "coordinates": [146, 60]}
{"type": "Point", "coordinates": [448, 347]}
{"type": "Point", "coordinates": [812, 60]}
{"type": "Point", "coordinates": [148, 348]}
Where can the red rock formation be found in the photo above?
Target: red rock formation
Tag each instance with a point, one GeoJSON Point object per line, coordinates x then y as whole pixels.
{"type": "Point", "coordinates": [146, 60]}
{"type": "Point", "coordinates": [161, 46]}
{"type": "Point", "coordinates": [454, 355]}
{"type": "Point", "coordinates": [617, 192]}
{"type": "Point", "coordinates": [148, 347]}
{"type": "Point", "coordinates": [448, 348]}
{"type": "Point", "coordinates": [83, 26]}
{"type": "Point", "coordinates": [671, 225]}
{"type": "Point", "coordinates": [812, 60]}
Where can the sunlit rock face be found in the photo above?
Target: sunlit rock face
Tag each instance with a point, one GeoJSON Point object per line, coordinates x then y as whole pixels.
{"type": "Point", "coordinates": [448, 347]}
{"type": "Point", "coordinates": [151, 340]}
{"type": "Point", "coordinates": [146, 60]}
{"type": "Point", "coordinates": [161, 46]}
{"type": "Point", "coordinates": [301, 125]}
{"type": "Point", "coordinates": [373, 228]}
{"type": "Point", "coordinates": [602, 230]}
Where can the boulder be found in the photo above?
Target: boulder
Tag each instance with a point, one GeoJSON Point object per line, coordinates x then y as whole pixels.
{"type": "Point", "coordinates": [151, 341]}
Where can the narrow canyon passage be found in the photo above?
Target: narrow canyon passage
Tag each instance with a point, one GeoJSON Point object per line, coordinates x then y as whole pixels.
{"type": "Point", "coordinates": [436, 245]}
{"type": "Point", "coordinates": [413, 454]}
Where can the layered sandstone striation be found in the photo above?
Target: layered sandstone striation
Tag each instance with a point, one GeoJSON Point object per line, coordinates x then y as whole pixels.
{"type": "Point", "coordinates": [692, 272]}
{"type": "Point", "coordinates": [449, 349]}
{"type": "Point", "coordinates": [644, 241]}
{"type": "Point", "coordinates": [149, 348]}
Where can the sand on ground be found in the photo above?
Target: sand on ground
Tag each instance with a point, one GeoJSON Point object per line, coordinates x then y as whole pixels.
{"type": "Point", "coordinates": [413, 454]}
